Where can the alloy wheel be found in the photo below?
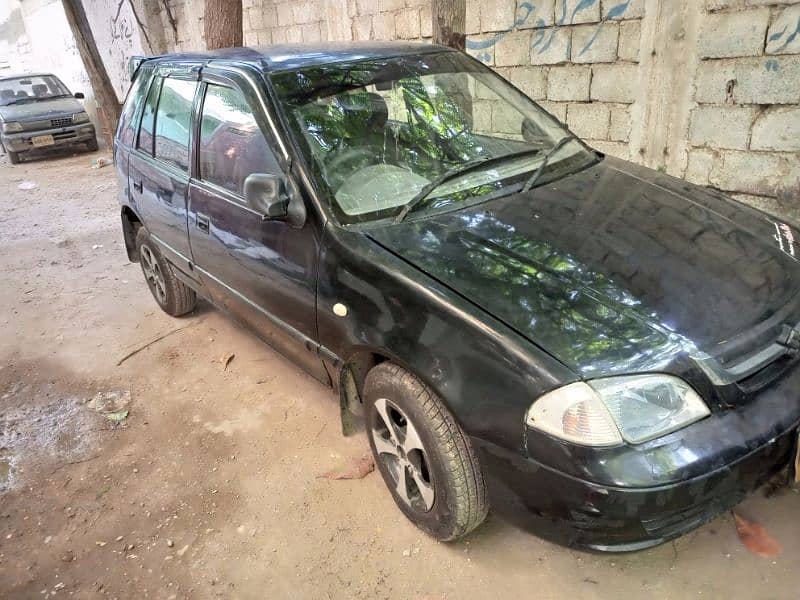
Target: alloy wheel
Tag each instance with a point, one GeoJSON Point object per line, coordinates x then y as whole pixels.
{"type": "Point", "coordinates": [153, 274]}
{"type": "Point", "coordinates": [400, 449]}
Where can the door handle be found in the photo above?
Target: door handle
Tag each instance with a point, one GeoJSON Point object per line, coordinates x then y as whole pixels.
{"type": "Point", "coordinates": [203, 223]}
{"type": "Point", "coordinates": [137, 186]}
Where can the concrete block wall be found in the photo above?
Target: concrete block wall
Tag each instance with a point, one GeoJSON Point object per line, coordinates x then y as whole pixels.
{"type": "Point", "coordinates": [708, 90]}
{"type": "Point", "coordinates": [744, 130]}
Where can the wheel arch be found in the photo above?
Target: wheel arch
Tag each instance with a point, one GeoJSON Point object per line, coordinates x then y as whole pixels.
{"type": "Point", "coordinates": [130, 226]}
{"type": "Point", "coordinates": [352, 376]}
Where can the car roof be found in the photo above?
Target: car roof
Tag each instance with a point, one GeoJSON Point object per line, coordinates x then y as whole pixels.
{"type": "Point", "coordinates": [293, 56]}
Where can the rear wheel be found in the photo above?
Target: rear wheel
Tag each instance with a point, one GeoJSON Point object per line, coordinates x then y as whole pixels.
{"type": "Point", "coordinates": [173, 296]}
{"type": "Point", "coordinates": [424, 457]}
{"type": "Point", "coordinates": [13, 157]}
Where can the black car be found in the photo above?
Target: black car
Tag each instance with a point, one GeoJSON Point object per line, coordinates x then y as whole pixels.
{"type": "Point", "coordinates": [37, 111]}
{"type": "Point", "coordinates": [520, 320]}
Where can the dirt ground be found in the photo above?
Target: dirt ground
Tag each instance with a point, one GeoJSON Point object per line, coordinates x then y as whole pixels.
{"type": "Point", "coordinates": [209, 485]}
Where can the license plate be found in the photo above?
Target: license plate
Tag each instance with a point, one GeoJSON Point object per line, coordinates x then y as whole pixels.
{"type": "Point", "coordinates": [42, 140]}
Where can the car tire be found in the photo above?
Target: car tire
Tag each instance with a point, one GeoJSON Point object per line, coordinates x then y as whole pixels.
{"type": "Point", "coordinates": [92, 146]}
{"type": "Point", "coordinates": [442, 490]}
{"type": "Point", "coordinates": [13, 157]}
{"type": "Point", "coordinates": [173, 296]}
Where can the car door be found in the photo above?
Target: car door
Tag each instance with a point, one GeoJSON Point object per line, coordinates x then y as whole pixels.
{"type": "Point", "coordinates": [262, 271]}
{"type": "Point", "coordinates": [158, 171]}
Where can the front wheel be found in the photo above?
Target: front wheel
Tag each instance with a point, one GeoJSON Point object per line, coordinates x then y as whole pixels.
{"type": "Point", "coordinates": [173, 296]}
{"type": "Point", "coordinates": [424, 457]}
{"type": "Point", "coordinates": [13, 157]}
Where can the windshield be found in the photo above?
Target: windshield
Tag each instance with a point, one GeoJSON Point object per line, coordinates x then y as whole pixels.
{"type": "Point", "coordinates": [419, 133]}
{"type": "Point", "coordinates": [31, 89]}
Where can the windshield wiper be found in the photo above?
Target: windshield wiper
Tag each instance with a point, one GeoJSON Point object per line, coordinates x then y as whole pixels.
{"type": "Point", "coordinates": [457, 172]}
{"type": "Point", "coordinates": [535, 177]}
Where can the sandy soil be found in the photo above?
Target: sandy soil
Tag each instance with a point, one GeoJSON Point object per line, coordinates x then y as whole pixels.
{"type": "Point", "coordinates": [209, 487]}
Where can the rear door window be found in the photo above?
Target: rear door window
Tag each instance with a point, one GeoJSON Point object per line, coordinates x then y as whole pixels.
{"type": "Point", "coordinates": [145, 141]}
{"type": "Point", "coordinates": [232, 145]}
{"type": "Point", "coordinates": [127, 120]}
{"type": "Point", "coordinates": [174, 122]}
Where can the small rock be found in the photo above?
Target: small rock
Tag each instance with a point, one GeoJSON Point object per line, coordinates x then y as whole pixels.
{"type": "Point", "coordinates": [118, 538]}
{"type": "Point", "coordinates": [101, 544]}
{"type": "Point", "coordinates": [183, 550]}
{"type": "Point", "coordinates": [406, 552]}
{"type": "Point", "coordinates": [170, 543]}
{"type": "Point", "coordinates": [67, 556]}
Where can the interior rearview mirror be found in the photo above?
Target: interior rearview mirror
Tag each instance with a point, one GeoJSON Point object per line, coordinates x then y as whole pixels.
{"type": "Point", "coordinates": [266, 194]}
{"type": "Point", "coordinates": [79, 95]}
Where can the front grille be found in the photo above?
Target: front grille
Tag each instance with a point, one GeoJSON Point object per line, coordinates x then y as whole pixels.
{"type": "Point", "coordinates": [63, 122]}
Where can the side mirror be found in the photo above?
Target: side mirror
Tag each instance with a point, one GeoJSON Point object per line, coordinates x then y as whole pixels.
{"type": "Point", "coordinates": [79, 95]}
{"type": "Point", "coordinates": [266, 194]}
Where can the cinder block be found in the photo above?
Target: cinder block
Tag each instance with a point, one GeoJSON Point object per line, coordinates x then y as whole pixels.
{"type": "Point", "coordinates": [531, 80]}
{"type": "Point", "coordinates": [390, 5]}
{"type": "Point", "coordinates": [783, 36]}
{"type": "Point", "coordinates": [305, 11]}
{"type": "Point", "coordinates": [383, 26]}
{"type": "Point", "coordinates": [473, 21]}
{"type": "Point", "coordinates": [407, 24]}
{"type": "Point", "coordinates": [615, 83]}
{"type": "Point", "coordinates": [542, 15]}
{"type": "Point", "coordinates": [550, 46]}
{"type": "Point", "coordinates": [777, 129]}
{"type": "Point", "coordinates": [620, 9]}
{"type": "Point", "coordinates": [767, 80]}
{"type": "Point", "coordinates": [595, 43]}
{"type": "Point", "coordinates": [760, 173]}
{"type": "Point", "coordinates": [620, 130]}
{"type": "Point", "coordinates": [264, 37]}
{"type": "Point", "coordinates": [557, 109]}
{"type": "Point", "coordinates": [700, 163]}
{"type": "Point", "coordinates": [577, 11]}
{"type": "Point", "coordinates": [426, 22]}
{"type": "Point", "coordinates": [505, 119]}
{"type": "Point", "coordinates": [362, 28]}
{"type": "Point", "coordinates": [485, 50]}
{"type": "Point", "coordinates": [497, 15]}
{"type": "Point", "coordinates": [569, 83]}
{"type": "Point", "coordinates": [256, 18]}
{"type": "Point", "coordinates": [285, 16]}
{"type": "Point", "coordinates": [513, 49]}
{"type": "Point", "coordinates": [311, 32]}
{"type": "Point", "coordinates": [617, 149]}
{"type": "Point", "coordinates": [630, 40]}
{"type": "Point", "coordinates": [726, 35]}
{"type": "Point", "coordinates": [589, 121]}
{"type": "Point", "coordinates": [721, 126]}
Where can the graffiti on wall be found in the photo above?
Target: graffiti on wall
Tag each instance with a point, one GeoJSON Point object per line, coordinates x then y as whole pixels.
{"type": "Point", "coordinates": [542, 40]}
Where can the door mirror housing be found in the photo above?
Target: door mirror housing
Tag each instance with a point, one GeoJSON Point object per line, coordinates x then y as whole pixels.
{"type": "Point", "coordinates": [79, 95]}
{"type": "Point", "coordinates": [266, 195]}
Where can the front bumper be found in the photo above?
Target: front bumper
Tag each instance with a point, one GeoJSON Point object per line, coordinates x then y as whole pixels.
{"type": "Point", "coordinates": [571, 511]}
{"type": "Point", "coordinates": [72, 134]}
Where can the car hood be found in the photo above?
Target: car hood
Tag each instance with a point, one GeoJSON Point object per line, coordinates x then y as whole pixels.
{"type": "Point", "coordinates": [43, 109]}
{"type": "Point", "coordinates": [616, 268]}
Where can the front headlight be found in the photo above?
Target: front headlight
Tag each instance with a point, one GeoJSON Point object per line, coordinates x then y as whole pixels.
{"type": "Point", "coordinates": [81, 117]}
{"type": "Point", "coordinates": [604, 412]}
{"type": "Point", "coordinates": [12, 126]}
